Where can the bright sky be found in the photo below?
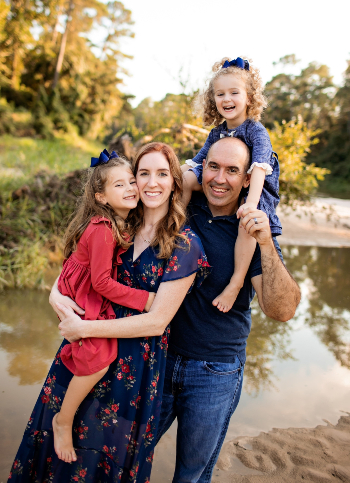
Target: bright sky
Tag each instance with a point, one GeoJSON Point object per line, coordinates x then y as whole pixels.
{"type": "Point", "coordinates": [193, 34]}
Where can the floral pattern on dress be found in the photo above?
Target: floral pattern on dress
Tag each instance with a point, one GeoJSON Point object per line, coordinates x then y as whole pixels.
{"type": "Point", "coordinates": [115, 427]}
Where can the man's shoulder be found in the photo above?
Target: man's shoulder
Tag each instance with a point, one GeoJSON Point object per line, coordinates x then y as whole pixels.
{"type": "Point", "coordinates": [198, 200]}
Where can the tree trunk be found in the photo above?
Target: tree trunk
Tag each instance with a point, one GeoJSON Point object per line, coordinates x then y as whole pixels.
{"type": "Point", "coordinates": [62, 46]}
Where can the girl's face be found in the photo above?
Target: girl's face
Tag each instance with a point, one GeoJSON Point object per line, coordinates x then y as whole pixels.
{"type": "Point", "coordinates": [121, 191]}
{"type": "Point", "coordinates": [154, 180]}
{"type": "Point", "coordinates": [231, 99]}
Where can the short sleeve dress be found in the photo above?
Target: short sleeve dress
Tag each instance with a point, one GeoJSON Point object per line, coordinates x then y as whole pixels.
{"type": "Point", "coordinates": [114, 430]}
{"type": "Point", "coordinates": [87, 278]}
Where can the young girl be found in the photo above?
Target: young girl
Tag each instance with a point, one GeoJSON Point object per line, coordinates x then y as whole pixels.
{"type": "Point", "coordinates": [235, 95]}
{"type": "Point", "coordinates": [94, 241]}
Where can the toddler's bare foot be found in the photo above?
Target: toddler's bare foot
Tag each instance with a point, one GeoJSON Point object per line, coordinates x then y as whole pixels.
{"type": "Point", "coordinates": [63, 440]}
{"type": "Point", "coordinates": [226, 299]}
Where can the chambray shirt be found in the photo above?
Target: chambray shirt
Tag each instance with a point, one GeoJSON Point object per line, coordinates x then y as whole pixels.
{"type": "Point", "coordinates": [255, 136]}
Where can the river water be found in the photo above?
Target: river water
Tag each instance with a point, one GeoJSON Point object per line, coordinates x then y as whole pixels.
{"type": "Point", "coordinates": [297, 373]}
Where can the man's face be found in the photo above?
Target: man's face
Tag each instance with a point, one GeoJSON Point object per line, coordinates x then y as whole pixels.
{"type": "Point", "coordinates": [224, 175]}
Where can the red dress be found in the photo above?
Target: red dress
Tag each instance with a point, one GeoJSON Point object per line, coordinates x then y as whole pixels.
{"type": "Point", "coordinates": [89, 278]}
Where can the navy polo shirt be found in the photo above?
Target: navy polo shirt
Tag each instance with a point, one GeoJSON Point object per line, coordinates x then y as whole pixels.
{"type": "Point", "coordinates": [199, 330]}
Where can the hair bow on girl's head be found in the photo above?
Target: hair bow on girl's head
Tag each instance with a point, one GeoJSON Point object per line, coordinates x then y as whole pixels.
{"type": "Point", "coordinates": [239, 62]}
{"type": "Point", "coordinates": [103, 159]}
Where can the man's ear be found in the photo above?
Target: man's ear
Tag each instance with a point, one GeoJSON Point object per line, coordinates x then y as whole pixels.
{"type": "Point", "coordinates": [100, 197]}
{"type": "Point", "coordinates": [246, 182]}
{"type": "Point", "coordinates": [204, 163]}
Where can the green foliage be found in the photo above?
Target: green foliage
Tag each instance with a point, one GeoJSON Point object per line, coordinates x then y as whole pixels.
{"type": "Point", "coordinates": [312, 95]}
{"type": "Point", "coordinates": [333, 152]}
{"type": "Point", "coordinates": [309, 95]}
{"type": "Point", "coordinates": [39, 190]}
{"type": "Point", "coordinates": [166, 120]}
{"type": "Point", "coordinates": [298, 180]}
{"type": "Point", "coordinates": [22, 158]}
{"type": "Point", "coordinates": [86, 75]}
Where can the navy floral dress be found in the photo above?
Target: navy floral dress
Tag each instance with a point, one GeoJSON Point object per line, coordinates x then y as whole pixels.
{"type": "Point", "coordinates": [114, 430]}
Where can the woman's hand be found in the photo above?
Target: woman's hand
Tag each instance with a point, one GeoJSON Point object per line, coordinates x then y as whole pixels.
{"type": "Point", "coordinates": [71, 325]}
{"type": "Point", "coordinates": [57, 298]}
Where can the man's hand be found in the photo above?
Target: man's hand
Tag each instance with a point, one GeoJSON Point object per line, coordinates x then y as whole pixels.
{"type": "Point", "coordinates": [71, 325]}
{"type": "Point", "coordinates": [256, 223]}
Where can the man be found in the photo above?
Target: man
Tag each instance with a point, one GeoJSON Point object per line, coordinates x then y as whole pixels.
{"type": "Point", "coordinates": [206, 357]}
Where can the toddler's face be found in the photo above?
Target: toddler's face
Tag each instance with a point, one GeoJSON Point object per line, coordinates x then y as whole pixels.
{"type": "Point", "coordinates": [231, 99]}
{"type": "Point", "coordinates": [121, 191]}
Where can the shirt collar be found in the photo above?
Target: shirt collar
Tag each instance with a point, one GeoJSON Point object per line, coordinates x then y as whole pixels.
{"type": "Point", "coordinates": [200, 200]}
{"type": "Point", "coordinates": [224, 126]}
{"type": "Point", "coordinates": [99, 219]}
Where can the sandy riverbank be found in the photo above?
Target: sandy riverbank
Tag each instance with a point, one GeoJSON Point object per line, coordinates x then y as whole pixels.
{"type": "Point", "coordinates": [325, 223]}
{"type": "Point", "coordinates": [320, 455]}
{"type": "Point", "coordinates": [294, 455]}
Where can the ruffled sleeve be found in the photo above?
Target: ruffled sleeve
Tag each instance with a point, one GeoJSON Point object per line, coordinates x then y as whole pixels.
{"type": "Point", "coordinates": [188, 258]}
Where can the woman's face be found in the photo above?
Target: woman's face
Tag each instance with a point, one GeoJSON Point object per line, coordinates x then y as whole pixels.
{"type": "Point", "coordinates": [154, 180]}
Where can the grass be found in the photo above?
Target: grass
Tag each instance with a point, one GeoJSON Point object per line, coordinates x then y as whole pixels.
{"type": "Point", "coordinates": [22, 158]}
{"type": "Point", "coordinates": [31, 227]}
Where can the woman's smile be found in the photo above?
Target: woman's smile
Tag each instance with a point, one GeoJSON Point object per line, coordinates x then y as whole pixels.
{"type": "Point", "coordinates": [154, 181]}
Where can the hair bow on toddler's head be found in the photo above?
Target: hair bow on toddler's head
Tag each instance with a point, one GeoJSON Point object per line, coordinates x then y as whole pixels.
{"type": "Point", "coordinates": [239, 62]}
{"type": "Point", "coordinates": [103, 159]}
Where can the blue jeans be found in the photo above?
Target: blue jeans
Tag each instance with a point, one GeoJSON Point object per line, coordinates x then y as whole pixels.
{"type": "Point", "coordinates": [202, 396]}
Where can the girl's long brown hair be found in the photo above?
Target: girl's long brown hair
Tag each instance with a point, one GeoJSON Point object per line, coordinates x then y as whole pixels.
{"type": "Point", "coordinates": [88, 207]}
{"type": "Point", "coordinates": [169, 228]}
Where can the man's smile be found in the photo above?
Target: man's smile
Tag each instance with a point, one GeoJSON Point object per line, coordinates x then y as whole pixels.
{"type": "Point", "coordinates": [218, 190]}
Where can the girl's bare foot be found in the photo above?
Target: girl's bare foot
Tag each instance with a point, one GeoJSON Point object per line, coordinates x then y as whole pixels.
{"type": "Point", "coordinates": [63, 440]}
{"type": "Point", "coordinates": [226, 299]}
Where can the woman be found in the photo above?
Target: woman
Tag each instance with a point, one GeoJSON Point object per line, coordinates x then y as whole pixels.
{"type": "Point", "coordinates": [115, 427]}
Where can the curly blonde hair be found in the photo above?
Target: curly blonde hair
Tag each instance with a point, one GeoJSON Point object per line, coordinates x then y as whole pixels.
{"type": "Point", "coordinates": [205, 101]}
{"type": "Point", "coordinates": [168, 232]}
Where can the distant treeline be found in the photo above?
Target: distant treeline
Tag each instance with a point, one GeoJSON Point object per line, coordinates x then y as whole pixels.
{"type": "Point", "coordinates": [54, 78]}
{"type": "Point", "coordinates": [52, 75]}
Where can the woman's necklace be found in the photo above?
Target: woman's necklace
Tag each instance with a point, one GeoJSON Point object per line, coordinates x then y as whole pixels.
{"type": "Point", "coordinates": [144, 239]}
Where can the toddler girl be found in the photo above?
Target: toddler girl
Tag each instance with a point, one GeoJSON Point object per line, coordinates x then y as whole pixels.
{"type": "Point", "coordinates": [235, 96]}
{"type": "Point", "coordinates": [94, 241]}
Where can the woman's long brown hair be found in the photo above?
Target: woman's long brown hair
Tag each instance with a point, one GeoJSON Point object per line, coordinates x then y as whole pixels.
{"type": "Point", "coordinates": [88, 207]}
{"type": "Point", "coordinates": [168, 230]}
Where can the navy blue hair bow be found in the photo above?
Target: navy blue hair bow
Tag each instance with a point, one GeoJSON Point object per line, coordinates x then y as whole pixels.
{"type": "Point", "coordinates": [239, 62]}
{"type": "Point", "coordinates": [103, 159]}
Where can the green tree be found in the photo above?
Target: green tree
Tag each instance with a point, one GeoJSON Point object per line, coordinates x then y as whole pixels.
{"type": "Point", "coordinates": [333, 151]}
{"type": "Point", "coordinates": [309, 95]}
{"type": "Point", "coordinates": [298, 180]}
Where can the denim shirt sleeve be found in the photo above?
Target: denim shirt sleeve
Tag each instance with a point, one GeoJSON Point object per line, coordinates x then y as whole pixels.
{"type": "Point", "coordinates": [204, 151]}
{"type": "Point", "coordinates": [261, 145]}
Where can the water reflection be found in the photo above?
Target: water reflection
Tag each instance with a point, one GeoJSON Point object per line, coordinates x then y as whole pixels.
{"type": "Point", "coordinates": [29, 334]}
{"type": "Point", "coordinates": [294, 366]}
{"type": "Point", "coordinates": [324, 273]}
{"type": "Point", "coordinates": [30, 338]}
